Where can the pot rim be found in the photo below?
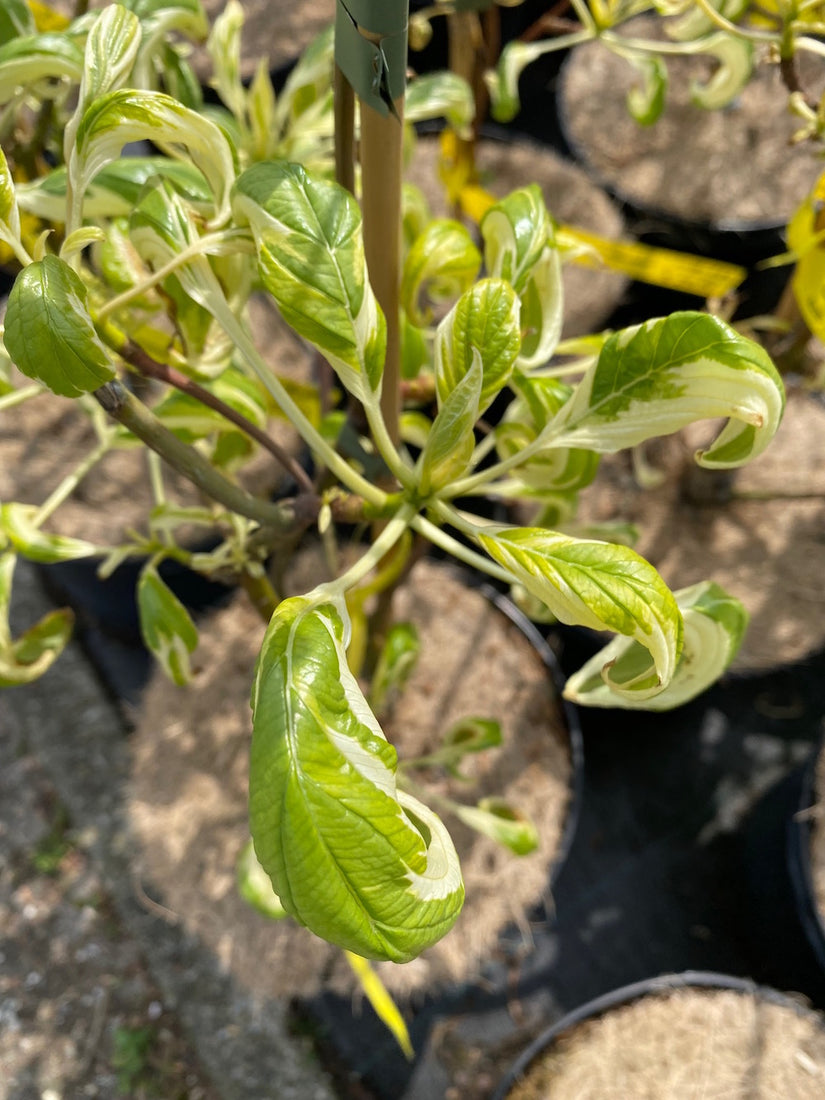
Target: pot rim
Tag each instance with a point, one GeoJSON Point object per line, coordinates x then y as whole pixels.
{"type": "Point", "coordinates": [799, 834]}
{"type": "Point", "coordinates": [636, 209]}
{"type": "Point", "coordinates": [697, 979]}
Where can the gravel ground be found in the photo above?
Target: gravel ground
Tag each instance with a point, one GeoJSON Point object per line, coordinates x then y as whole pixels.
{"type": "Point", "coordinates": [101, 995]}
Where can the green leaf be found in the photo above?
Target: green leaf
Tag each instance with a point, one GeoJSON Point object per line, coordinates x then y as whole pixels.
{"type": "Point", "coordinates": [442, 262]}
{"type": "Point", "coordinates": [515, 232]}
{"type": "Point", "coordinates": [50, 335]}
{"type": "Point", "coordinates": [26, 658]}
{"type": "Point", "coordinates": [254, 885]}
{"type": "Point", "coordinates": [441, 95]}
{"type": "Point", "coordinates": [468, 735]}
{"type": "Point", "coordinates": [38, 58]}
{"type": "Point", "coordinates": [224, 48]}
{"type": "Point", "coordinates": [116, 189]}
{"type": "Point", "coordinates": [735, 57]}
{"type": "Point", "coordinates": [484, 322]}
{"type": "Point", "coordinates": [597, 585]}
{"type": "Point", "coordinates": [555, 469]}
{"type": "Point", "coordinates": [16, 20]}
{"type": "Point", "coordinates": [111, 48]}
{"type": "Point", "coordinates": [9, 214]}
{"type": "Point", "coordinates": [166, 626]}
{"type": "Point", "coordinates": [655, 378]}
{"type": "Point", "coordinates": [495, 818]}
{"type": "Point", "coordinates": [714, 627]}
{"type": "Point", "coordinates": [360, 863]}
{"type": "Point", "coordinates": [502, 82]}
{"type": "Point", "coordinates": [394, 666]}
{"type": "Point", "coordinates": [127, 115]}
{"type": "Point", "coordinates": [311, 259]}
{"type": "Point", "coordinates": [16, 523]}
{"type": "Point", "coordinates": [646, 102]}
{"type": "Point", "coordinates": [451, 440]}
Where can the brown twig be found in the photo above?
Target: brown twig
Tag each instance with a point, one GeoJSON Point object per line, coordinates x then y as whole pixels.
{"type": "Point", "coordinates": [551, 23]}
{"type": "Point", "coordinates": [150, 368]}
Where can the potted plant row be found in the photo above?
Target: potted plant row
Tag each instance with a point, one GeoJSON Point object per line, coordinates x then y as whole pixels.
{"type": "Point", "coordinates": [145, 274]}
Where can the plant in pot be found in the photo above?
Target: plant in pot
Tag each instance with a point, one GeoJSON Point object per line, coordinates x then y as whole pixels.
{"type": "Point", "coordinates": [350, 851]}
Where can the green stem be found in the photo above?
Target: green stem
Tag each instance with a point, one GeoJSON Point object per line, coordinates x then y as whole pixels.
{"type": "Point", "coordinates": [457, 549]}
{"type": "Point", "coordinates": [392, 531]}
{"type": "Point", "coordinates": [17, 397]}
{"type": "Point", "coordinates": [201, 247]}
{"type": "Point", "coordinates": [127, 410]}
{"type": "Point", "coordinates": [725, 24]}
{"type": "Point", "coordinates": [68, 485]}
{"type": "Point", "coordinates": [310, 435]}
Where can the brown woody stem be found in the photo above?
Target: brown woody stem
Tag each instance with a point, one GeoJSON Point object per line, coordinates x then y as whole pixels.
{"type": "Point", "coordinates": [149, 367]}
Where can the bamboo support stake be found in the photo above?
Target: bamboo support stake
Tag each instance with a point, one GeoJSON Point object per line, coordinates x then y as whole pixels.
{"type": "Point", "coordinates": [381, 178]}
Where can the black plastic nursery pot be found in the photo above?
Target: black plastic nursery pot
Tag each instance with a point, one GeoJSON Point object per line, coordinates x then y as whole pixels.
{"type": "Point", "coordinates": [284, 960]}
{"type": "Point", "coordinates": [800, 830]}
{"type": "Point", "coordinates": [552, 1041]}
{"type": "Point", "coordinates": [668, 185]}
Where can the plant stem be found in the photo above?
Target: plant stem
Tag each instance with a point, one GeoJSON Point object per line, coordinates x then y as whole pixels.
{"type": "Point", "coordinates": [17, 397]}
{"type": "Point", "coordinates": [381, 179]}
{"type": "Point", "coordinates": [149, 367]}
{"type": "Point", "coordinates": [389, 536]}
{"type": "Point", "coordinates": [311, 436]}
{"type": "Point", "coordinates": [68, 485]}
{"type": "Point", "coordinates": [127, 410]}
{"type": "Point", "coordinates": [457, 549]}
{"type": "Point", "coordinates": [204, 246]}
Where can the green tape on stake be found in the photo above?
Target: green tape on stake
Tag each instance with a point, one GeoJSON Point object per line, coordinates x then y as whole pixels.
{"type": "Point", "coordinates": [377, 70]}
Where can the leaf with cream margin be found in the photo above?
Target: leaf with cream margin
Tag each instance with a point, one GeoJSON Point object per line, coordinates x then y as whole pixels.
{"type": "Point", "coordinates": [16, 522]}
{"type": "Point", "coordinates": [519, 245]}
{"type": "Point", "coordinates": [735, 57]}
{"type": "Point", "coordinates": [655, 378]}
{"type": "Point", "coordinates": [484, 324]}
{"type": "Point", "coordinates": [451, 439]}
{"type": "Point", "coordinates": [116, 189]}
{"type": "Point", "coordinates": [9, 214]}
{"type": "Point", "coordinates": [255, 887]}
{"type": "Point", "coordinates": [551, 469]}
{"type": "Point", "coordinates": [598, 585]}
{"type": "Point", "coordinates": [25, 659]}
{"type": "Point", "coordinates": [646, 101]}
{"type": "Point", "coordinates": [498, 820]}
{"type": "Point", "coordinates": [311, 260]}
{"type": "Point", "coordinates": [127, 115]}
{"type": "Point", "coordinates": [442, 263]}
{"type": "Point", "coordinates": [49, 333]}
{"type": "Point", "coordinates": [47, 60]}
{"type": "Point", "coordinates": [359, 862]}
{"type": "Point", "coordinates": [441, 95]}
{"type": "Point", "coordinates": [714, 627]}
{"type": "Point", "coordinates": [166, 626]}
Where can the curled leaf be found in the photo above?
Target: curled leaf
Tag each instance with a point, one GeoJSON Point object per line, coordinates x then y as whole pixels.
{"type": "Point", "coordinates": [714, 627]}
{"type": "Point", "coordinates": [598, 585]}
{"type": "Point", "coordinates": [655, 378]}
{"type": "Point", "coordinates": [360, 863]}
